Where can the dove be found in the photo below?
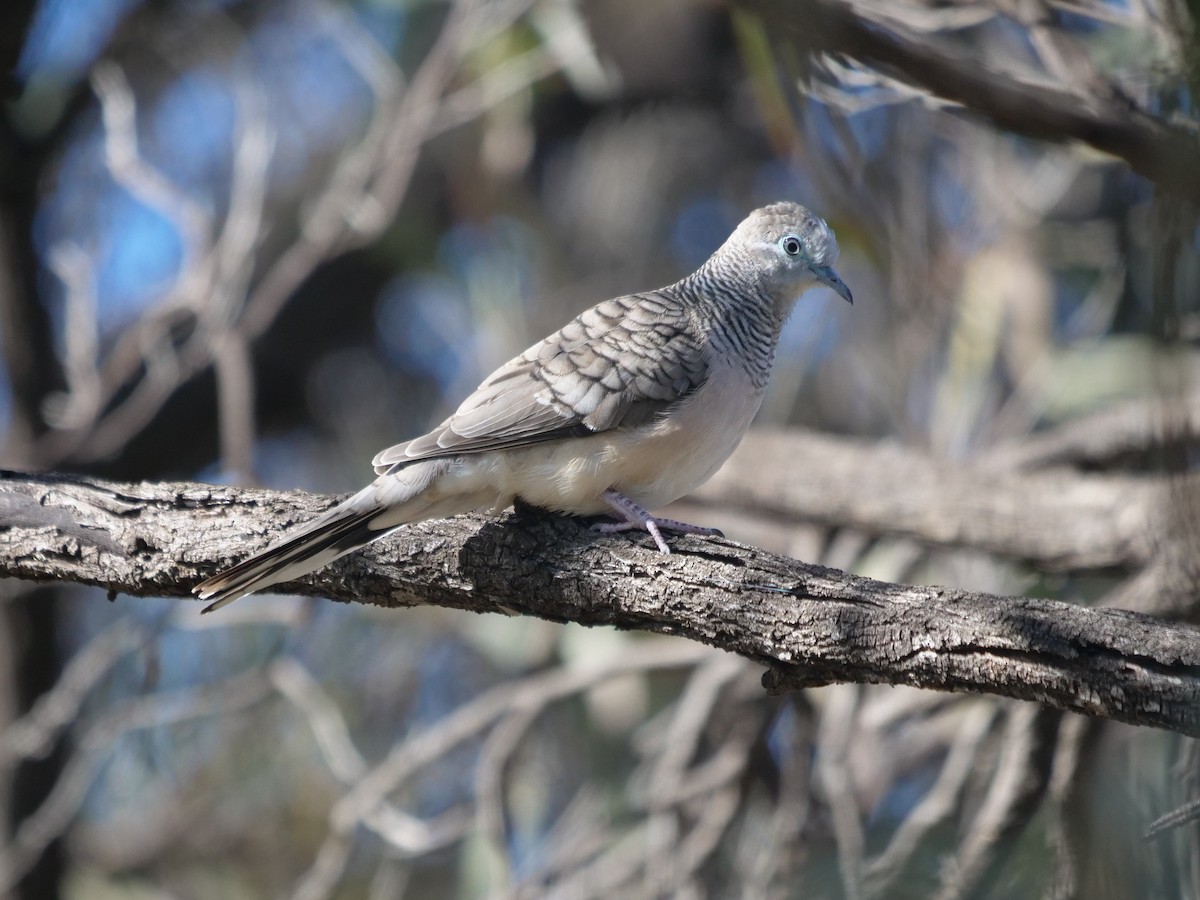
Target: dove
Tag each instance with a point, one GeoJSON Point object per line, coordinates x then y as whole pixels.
{"type": "Point", "coordinates": [630, 406]}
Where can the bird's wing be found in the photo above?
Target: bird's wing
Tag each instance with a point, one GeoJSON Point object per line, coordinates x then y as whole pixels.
{"type": "Point", "coordinates": [617, 365]}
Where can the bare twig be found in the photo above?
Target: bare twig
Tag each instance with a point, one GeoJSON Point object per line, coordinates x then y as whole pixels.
{"type": "Point", "coordinates": [1021, 775]}
{"type": "Point", "coordinates": [833, 774]}
{"type": "Point", "coordinates": [235, 404]}
{"type": "Point", "coordinates": [96, 746]}
{"type": "Point", "coordinates": [417, 751]}
{"type": "Point", "coordinates": [1066, 789]}
{"type": "Point", "coordinates": [669, 770]}
{"type": "Point", "coordinates": [1177, 818]}
{"type": "Point", "coordinates": [219, 288]}
{"type": "Point", "coordinates": [936, 806]}
{"type": "Point", "coordinates": [34, 733]}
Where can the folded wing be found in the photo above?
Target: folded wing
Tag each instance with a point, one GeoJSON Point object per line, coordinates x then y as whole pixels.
{"type": "Point", "coordinates": [617, 365]}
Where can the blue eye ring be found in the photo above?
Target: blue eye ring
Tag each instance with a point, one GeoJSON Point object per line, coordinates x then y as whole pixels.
{"type": "Point", "coordinates": [791, 244]}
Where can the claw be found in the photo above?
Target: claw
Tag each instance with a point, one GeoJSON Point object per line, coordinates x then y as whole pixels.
{"type": "Point", "coordinates": [634, 517]}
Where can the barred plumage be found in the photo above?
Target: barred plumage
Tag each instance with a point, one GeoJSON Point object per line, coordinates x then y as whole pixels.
{"type": "Point", "coordinates": [629, 406]}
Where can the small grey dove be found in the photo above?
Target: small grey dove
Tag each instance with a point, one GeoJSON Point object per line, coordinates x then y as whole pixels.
{"type": "Point", "coordinates": [630, 406]}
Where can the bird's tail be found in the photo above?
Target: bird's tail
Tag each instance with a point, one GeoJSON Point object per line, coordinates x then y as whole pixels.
{"type": "Point", "coordinates": [376, 510]}
{"type": "Point", "coordinates": [342, 530]}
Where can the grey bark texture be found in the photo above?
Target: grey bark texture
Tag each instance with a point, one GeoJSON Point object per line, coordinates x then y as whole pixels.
{"type": "Point", "coordinates": [808, 624]}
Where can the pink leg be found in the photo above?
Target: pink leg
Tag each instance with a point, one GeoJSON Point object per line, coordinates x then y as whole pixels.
{"type": "Point", "coordinates": [637, 518]}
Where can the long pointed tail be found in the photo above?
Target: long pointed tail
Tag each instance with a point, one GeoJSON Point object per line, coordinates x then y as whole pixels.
{"type": "Point", "coordinates": [412, 494]}
{"type": "Point", "coordinates": [342, 530]}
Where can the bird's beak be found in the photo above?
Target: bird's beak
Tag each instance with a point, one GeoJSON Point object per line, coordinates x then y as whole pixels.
{"type": "Point", "coordinates": [827, 276]}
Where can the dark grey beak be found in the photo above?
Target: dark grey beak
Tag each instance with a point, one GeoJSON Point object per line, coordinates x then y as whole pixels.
{"type": "Point", "coordinates": [827, 276]}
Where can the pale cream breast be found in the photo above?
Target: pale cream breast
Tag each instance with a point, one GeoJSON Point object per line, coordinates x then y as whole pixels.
{"type": "Point", "coordinates": [653, 465]}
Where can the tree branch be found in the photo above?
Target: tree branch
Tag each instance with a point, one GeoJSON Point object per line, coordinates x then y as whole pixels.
{"type": "Point", "coordinates": [1108, 437]}
{"type": "Point", "coordinates": [1160, 151]}
{"type": "Point", "coordinates": [809, 625]}
{"type": "Point", "coordinates": [1057, 519]}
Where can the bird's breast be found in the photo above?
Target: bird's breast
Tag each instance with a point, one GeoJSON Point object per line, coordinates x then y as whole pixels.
{"type": "Point", "coordinates": [653, 464]}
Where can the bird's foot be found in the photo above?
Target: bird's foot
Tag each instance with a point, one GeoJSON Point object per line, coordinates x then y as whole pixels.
{"type": "Point", "coordinates": [635, 517]}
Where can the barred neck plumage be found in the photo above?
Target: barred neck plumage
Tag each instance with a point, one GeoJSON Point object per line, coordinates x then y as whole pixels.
{"type": "Point", "coordinates": [737, 314]}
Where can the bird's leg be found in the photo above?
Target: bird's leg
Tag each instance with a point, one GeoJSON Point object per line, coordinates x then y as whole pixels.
{"type": "Point", "coordinates": [635, 516]}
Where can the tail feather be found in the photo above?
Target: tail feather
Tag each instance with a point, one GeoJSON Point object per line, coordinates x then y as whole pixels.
{"type": "Point", "coordinates": [326, 539]}
{"type": "Point", "coordinates": [378, 509]}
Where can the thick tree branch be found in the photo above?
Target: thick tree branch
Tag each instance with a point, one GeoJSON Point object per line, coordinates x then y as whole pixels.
{"type": "Point", "coordinates": [810, 625]}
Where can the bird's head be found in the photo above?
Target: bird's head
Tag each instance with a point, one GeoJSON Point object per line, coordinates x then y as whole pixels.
{"type": "Point", "coordinates": [788, 249]}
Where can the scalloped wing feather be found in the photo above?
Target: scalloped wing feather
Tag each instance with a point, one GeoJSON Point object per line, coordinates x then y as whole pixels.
{"type": "Point", "coordinates": [617, 365]}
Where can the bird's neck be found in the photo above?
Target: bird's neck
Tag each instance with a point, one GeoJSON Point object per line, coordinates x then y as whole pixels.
{"type": "Point", "coordinates": [739, 316]}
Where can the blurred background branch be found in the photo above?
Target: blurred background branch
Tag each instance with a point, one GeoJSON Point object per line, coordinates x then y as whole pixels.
{"type": "Point", "coordinates": [1069, 99]}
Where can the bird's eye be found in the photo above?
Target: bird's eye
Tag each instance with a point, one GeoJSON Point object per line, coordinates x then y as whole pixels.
{"type": "Point", "coordinates": [791, 245]}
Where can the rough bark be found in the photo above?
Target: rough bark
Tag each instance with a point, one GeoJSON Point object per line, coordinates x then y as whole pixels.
{"type": "Point", "coordinates": [810, 625]}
